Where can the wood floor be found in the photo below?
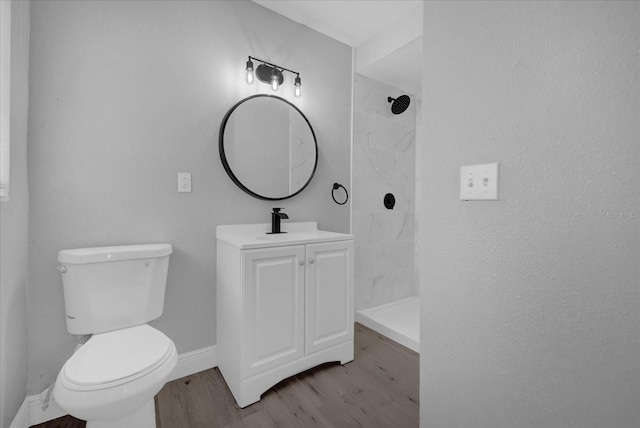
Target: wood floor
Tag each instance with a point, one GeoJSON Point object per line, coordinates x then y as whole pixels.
{"type": "Point", "coordinates": [378, 389]}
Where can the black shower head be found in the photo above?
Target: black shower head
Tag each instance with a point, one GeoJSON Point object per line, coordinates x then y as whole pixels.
{"type": "Point", "coordinates": [400, 104]}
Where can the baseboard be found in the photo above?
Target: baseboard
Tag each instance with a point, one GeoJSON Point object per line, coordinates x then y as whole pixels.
{"type": "Point", "coordinates": [37, 415]}
{"type": "Point", "coordinates": [188, 364]}
{"type": "Point", "coordinates": [21, 420]}
{"type": "Point", "coordinates": [194, 362]}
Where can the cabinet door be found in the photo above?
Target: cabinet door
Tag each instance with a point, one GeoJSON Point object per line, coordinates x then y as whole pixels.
{"type": "Point", "coordinates": [273, 295]}
{"type": "Point", "coordinates": [329, 295]}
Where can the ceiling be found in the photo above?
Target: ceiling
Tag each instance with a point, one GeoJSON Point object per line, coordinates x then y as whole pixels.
{"type": "Point", "coordinates": [386, 34]}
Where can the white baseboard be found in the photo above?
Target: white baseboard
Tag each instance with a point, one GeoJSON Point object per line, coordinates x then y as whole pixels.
{"type": "Point", "coordinates": [194, 362]}
{"type": "Point", "coordinates": [21, 420]}
{"type": "Point", "coordinates": [37, 415]}
{"type": "Point", "coordinates": [188, 364]}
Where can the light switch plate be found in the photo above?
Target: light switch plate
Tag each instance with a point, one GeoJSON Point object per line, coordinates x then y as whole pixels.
{"type": "Point", "coordinates": [479, 182]}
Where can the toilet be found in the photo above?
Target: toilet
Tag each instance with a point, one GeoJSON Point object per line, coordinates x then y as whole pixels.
{"type": "Point", "coordinates": [112, 293]}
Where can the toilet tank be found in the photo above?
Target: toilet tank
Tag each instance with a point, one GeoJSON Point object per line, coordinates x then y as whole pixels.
{"type": "Point", "coordinates": [109, 288]}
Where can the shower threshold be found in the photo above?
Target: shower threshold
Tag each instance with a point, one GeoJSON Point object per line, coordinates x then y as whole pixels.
{"type": "Point", "coordinates": [399, 321]}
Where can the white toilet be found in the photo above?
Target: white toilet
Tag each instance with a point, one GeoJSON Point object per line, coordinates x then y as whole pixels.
{"type": "Point", "coordinates": [111, 293]}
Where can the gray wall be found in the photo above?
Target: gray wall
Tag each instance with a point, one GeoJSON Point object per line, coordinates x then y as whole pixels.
{"type": "Point", "coordinates": [126, 94]}
{"type": "Point", "coordinates": [530, 304]}
{"type": "Point", "coordinates": [383, 162]}
{"type": "Point", "coordinates": [14, 236]}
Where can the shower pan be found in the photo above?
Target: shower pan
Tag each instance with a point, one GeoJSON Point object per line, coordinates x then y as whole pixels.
{"type": "Point", "coordinates": [399, 321]}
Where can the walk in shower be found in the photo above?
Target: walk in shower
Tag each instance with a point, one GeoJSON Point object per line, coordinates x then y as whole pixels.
{"type": "Point", "coordinates": [384, 131]}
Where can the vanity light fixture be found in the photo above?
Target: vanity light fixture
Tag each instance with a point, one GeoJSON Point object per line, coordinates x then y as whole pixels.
{"type": "Point", "coordinates": [271, 74]}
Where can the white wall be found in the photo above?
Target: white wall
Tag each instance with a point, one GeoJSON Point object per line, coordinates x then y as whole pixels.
{"type": "Point", "coordinates": [126, 94]}
{"type": "Point", "coordinates": [383, 162]}
{"type": "Point", "coordinates": [14, 219]}
{"type": "Point", "coordinates": [530, 304]}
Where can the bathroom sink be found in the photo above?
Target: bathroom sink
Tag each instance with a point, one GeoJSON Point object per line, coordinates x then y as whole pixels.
{"type": "Point", "coordinates": [246, 236]}
{"type": "Point", "coordinates": [279, 237]}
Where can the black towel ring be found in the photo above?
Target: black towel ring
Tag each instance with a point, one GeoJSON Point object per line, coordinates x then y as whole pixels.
{"type": "Point", "coordinates": [336, 186]}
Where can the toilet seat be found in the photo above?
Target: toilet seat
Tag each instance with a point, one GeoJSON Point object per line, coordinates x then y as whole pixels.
{"type": "Point", "coordinates": [114, 358]}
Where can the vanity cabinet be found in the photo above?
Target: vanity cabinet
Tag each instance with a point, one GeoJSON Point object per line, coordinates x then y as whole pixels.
{"type": "Point", "coordinates": [282, 310]}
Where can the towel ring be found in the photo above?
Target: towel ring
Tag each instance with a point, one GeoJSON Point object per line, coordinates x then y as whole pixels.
{"type": "Point", "coordinates": [336, 186]}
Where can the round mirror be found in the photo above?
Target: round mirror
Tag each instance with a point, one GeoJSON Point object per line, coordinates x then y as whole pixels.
{"type": "Point", "coordinates": [268, 147]}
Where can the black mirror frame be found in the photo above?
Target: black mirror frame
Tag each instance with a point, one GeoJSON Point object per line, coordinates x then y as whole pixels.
{"type": "Point", "coordinates": [227, 167]}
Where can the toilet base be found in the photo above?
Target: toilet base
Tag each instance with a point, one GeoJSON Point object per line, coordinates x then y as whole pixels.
{"type": "Point", "coordinates": [145, 417]}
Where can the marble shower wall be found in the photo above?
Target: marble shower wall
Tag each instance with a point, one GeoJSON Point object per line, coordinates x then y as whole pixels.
{"type": "Point", "coordinates": [383, 162]}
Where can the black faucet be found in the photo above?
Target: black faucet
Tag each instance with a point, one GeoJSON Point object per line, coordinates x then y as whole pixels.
{"type": "Point", "coordinates": [276, 215]}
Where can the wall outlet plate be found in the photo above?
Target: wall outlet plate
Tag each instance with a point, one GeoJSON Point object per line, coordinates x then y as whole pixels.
{"type": "Point", "coordinates": [479, 182]}
{"type": "Point", "coordinates": [184, 182]}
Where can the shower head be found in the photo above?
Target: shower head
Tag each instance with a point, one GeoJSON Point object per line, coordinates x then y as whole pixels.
{"type": "Point", "coordinates": [400, 104]}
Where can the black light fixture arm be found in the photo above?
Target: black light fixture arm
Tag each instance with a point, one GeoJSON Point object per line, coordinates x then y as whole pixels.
{"type": "Point", "coordinates": [274, 65]}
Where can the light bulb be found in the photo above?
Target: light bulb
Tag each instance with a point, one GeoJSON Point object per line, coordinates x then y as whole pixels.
{"type": "Point", "coordinates": [274, 80]}
{"type": "Point", "coordinates": [250, 72]}
{"type": "Point", "coordinates": [297, 90]}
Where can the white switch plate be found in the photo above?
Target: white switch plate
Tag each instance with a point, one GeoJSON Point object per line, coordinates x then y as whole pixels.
{"type": "Point", "coordinates": [479, 182]}
{"type": "Point", "coordinates": [184, 182]}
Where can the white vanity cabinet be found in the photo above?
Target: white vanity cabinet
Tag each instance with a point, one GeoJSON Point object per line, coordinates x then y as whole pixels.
{"type": "Point", "coordinates": [284, 305]}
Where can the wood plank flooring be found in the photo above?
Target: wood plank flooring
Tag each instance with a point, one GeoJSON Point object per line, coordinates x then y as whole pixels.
{"type": "Point", "coordinates": [378, 389]}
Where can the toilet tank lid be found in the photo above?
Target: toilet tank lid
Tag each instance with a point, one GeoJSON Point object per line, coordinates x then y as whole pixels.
{"type": "Point", "coordinates": [111, 254]}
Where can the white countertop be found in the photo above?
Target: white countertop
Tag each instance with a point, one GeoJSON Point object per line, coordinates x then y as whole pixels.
{"type": "Point", "coordinates": [247, 236]}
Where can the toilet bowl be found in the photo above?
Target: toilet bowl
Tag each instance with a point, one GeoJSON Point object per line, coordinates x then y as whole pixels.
{"type": "Point", "coordinates": [112, 379]}
{"type": "Point", "coordinates": [112, 293]}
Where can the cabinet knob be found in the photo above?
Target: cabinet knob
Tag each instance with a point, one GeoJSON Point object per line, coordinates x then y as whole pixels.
{"type": "Point", "coordinates": [312, 261]}
{"type": "Point", "coordinates": [301, 262]}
